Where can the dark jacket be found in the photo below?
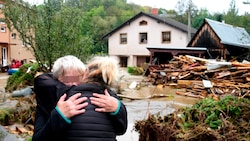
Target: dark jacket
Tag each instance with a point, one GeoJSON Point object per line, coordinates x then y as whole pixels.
{"type": "Point", "coordinates": [92, 125]}
{"type": "Point", "coordinates": [49, 125]}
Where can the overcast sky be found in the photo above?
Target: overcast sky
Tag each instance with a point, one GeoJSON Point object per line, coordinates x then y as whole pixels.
{"type": "Point", "coordinates": [211, 5]}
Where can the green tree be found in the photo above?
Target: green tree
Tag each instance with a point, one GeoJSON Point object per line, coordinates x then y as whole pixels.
{"type": "Point", "coordinates": [199, 18]}
{"type": "Point", "coordinates": [231, 15]}
{"type": "Point", "coordinates": [52, 29]}
{"type": "Point", "coordinates": [245, 21]}
{"type": "Point", "coordinates": [183, 8]}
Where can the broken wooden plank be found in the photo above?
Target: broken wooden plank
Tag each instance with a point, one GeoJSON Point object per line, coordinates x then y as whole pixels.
{"type": "Point", "coordinates": [188, 82]}
{"type": "Point", "coordinates": [141, 98]}
{"type": "Point", "coordinates": [189, 94]}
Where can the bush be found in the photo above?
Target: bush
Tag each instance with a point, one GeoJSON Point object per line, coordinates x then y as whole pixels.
{"type": "Point", "coordinates": [22, 78]}
{"type": "Point", "coordinates": [226, 119]}
{"type": "Point", "coordinates": [135, 70]}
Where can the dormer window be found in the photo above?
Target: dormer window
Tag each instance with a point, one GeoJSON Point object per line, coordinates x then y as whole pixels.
{"type": "Point", "coordinates": [143, 23]}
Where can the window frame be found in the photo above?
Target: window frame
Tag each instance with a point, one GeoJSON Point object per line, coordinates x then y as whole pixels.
{"type": "Point", "coordinates": [13, 35]}
{"type": "Point", "coordinates": [143, 23]}
{"type": "Point", "coordinates": [164, 37]}
{"type": "Point", "coordinates": [3, 29]}
{"type": "Point", "coordinates": [142, 39]}
{"type": "Point", "coordinates": [123, 40]}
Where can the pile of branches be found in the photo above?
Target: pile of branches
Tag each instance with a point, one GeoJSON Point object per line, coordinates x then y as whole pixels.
{"type": "Point", "coordinates": [207, 120]}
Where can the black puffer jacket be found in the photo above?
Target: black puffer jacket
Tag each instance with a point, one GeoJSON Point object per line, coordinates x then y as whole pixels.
{"type": "Point", "coordinates": [92, 125]}
{"type": "Point", "coordinates": [49, 125]}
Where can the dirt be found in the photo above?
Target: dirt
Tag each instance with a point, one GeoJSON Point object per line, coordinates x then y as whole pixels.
{"type": "Point", "coordinates": [4, 134]}
{"type": "Point", "coordinates": [140, 109]}
{"type": "Point", "coordinates": [137, 109]}
{"type": "Point", "coordinates": [3, 80]}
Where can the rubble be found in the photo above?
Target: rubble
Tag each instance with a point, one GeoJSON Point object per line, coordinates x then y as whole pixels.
{"type": "Point", "coordinates": [189, 72]}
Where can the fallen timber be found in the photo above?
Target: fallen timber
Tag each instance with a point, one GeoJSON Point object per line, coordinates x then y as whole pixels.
{"type": "Point", "coordinates": [141, 98]}
{"type": "Point", "coordinates": [188, 72]}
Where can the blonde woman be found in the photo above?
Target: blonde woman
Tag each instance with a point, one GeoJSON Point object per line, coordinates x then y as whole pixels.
{"type": "Point", "coordinates": [105, 116]}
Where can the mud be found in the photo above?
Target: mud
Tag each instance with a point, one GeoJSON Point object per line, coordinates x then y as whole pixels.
{"type": "Point", "coordinates": [139, 109]}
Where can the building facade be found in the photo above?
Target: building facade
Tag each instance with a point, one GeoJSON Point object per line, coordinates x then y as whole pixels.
{"type": "Point", "coordinates": [128, 42]}
{"type": "Point", "coordinates": [11, 46]}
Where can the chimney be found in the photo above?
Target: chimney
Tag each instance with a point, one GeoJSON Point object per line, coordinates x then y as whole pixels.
{"type": "Point", "coordinates": [154, 11]}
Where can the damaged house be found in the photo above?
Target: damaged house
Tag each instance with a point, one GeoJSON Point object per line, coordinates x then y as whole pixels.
{"type": "Point", "coordinates": [221, 40]}
{"type": "Point", "coordinates": [213, 40]}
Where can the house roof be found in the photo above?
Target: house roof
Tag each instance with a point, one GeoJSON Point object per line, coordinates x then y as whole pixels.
{"type": "Point", "coordinates": [177, 48]}
{"type": "Point", "coordinates": [230, 35]}
{"type": "Point", "coordinates": [164, 20]}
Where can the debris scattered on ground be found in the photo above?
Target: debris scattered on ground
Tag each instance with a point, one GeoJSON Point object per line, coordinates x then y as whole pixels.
{"type": "Point", "coordinates": [23, 92]}
{"type": "Point", "coordinates": [189, 72]}
{"type": "Point", "coordinates": [208, 119]}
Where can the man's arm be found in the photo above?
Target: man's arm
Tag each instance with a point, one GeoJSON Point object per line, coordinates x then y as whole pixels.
{"type": "Point", "coordinates": [47, 120]}
{"type": "Point", "coordinates": [53, 112]}
{"type": "Point", "coordinates": [46, 129]}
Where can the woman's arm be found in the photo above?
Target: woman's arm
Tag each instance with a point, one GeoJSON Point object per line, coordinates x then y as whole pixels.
{"type": "Point", "coordinates": [109, 102]}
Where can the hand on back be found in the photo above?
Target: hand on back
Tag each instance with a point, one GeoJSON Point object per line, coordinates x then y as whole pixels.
{"type": "Point", "coordinates": [106, 102]}
{"type": "Point", "coordinates": [73, 106]}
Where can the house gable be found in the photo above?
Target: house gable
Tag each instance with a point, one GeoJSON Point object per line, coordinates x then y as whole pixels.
{"type": "Point", "coordinates": [128, 42]}
{"type": "Point", "coordinates": [153, 30]}
{"type": "Point", "coordinates": [167, 21]}
{"type": "Point", "coordinates": [206, 37]}
{"type": "Point", "coordinates": [221, 40]}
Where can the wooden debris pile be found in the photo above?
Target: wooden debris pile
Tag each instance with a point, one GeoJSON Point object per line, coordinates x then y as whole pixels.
{"type": "Point", "coordinates": [203, 77]}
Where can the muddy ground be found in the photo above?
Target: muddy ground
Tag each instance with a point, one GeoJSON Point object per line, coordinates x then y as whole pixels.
{"type": "Point", "coordinates": [137, 109]}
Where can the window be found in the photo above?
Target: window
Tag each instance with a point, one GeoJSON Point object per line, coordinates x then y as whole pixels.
{"type": "Point", "coordinates": [143, 23]}
{"type": "Point", "coordinates": [143, 38]}
{"type": "Point", "coordinates": [166, 37]}
{"type": "Point", "coordinates": [123, 38]}
{"type": "Point", "coordinates": [13, 35]}
{"type": "Point", "coordinates": [3, 29]}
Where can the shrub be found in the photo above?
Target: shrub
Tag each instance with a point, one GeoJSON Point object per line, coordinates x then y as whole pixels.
{"type": "Point", "coordinates": [135, 70]}
{"type": "Point", "coordinates": [22, 78]}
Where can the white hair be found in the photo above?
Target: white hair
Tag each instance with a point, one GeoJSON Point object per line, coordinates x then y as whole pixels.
{"type": "Point", "coordinates": [66, 63]}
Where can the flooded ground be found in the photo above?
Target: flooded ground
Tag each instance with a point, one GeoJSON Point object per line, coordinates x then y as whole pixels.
{"type": "Point", "coordinates": [143, 105]}
{"type": "Point", "coordinates": [140, 108]}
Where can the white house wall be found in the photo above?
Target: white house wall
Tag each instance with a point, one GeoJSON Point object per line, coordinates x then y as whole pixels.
{"type": "Point", "coordinates": [154, 30]}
